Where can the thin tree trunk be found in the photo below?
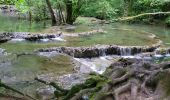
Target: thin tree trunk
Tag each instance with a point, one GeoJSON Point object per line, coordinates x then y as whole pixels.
{"type": "Point", "coordinates": [62, 16]}
{"type": "Point", "coordinates": [54, 22]}
{"type": "Point", "coordinates": [128, 4]}
{"type": "Point", "coordinates": [29, 11]}
{"type": "Point", "coordinates": [69, 19]}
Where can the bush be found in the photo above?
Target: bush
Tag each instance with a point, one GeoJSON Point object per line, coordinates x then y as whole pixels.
{"type": "Point", "coordinates": [102, 9]}
{"type": "Point", "coordinates": [7, 2]}
{"type": "Point", "coordinates": [167, 21]}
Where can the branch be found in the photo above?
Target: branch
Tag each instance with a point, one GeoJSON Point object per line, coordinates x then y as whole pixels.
{"type": "Point", "coordinates": [141, 15]}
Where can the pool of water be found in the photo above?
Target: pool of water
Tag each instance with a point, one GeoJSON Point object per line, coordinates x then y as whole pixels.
{"type": "Point", "coordinates": [19, 72]}
{"type": "Point", "coordinates": [12, 24]}
{"type": "Point", "coordinates": [114, 36]}
{"type": "Point", "coordinates": [117, 37]}
{"type": "Point", "coordinates": [162, 32]}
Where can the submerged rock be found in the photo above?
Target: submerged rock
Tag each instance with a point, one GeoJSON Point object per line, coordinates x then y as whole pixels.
{"type": "Point", "coordinates": [69, 80]}
{"type": "Point", "coordinates": [45, 93]}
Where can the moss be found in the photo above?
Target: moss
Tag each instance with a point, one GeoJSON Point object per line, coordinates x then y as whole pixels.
{"type": "Point", "coordinates": [96, 81]}
{"type": "Point", "coordinates": [122, 60]}
{"type": "Point", "coordinates": [75, 89]}
{"type": "Point", "coordinates": [108, 71]}
{"type": "Point", "coordinates": [163, 51]}
{"type": "Point", "coordinates": [102, 96]}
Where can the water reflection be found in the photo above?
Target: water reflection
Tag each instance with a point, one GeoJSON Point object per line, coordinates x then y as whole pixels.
{"type": "Point", "coordinates": [12, 24]}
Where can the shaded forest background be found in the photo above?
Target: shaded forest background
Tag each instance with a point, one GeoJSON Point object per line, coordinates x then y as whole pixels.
{"type": "Point", "coordinates": [66, 11]}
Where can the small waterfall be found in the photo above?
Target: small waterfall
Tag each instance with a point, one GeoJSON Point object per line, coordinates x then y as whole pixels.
{"type": "Point", "coordinates": [102, 52]}
{"type": "Point", "coordinates": [91, 52]}
{"type": "Point", "coordinates": [58, 39]}
{"type": "Point", "coordinates": [125, 51]}
{"type": "Point", "coordinates": [162, 51]}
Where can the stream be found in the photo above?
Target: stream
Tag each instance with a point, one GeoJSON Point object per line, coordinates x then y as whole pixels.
{"type": "Point", "coordinates": [19, 64]}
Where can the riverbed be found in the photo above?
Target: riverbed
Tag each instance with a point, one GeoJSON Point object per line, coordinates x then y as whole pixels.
{"type": "Point", "coordinates": [19, 64]}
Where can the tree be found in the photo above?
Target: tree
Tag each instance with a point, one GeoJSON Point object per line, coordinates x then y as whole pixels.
{"type": "Point", "coordinates": [54, 22]}
{"type": "Point", "coordinates": [69, 10]}
{"type": "Point", "coordinates": [73, 10]}
{"type": "Point", "coordinates": [128, 4]}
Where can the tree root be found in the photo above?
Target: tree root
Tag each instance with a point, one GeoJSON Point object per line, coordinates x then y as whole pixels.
{"type": "Point", "coordinates": [27, 97]}
{"type": "Point", "coordinates": [121, 90]}
{"type": "Point", "coordinates": [129, 82]}
{"type": "Point", "coordinates": [123, 78]}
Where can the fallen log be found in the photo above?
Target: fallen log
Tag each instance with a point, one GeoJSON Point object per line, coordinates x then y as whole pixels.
{"type": "Point", "coordinates": [141, 15]}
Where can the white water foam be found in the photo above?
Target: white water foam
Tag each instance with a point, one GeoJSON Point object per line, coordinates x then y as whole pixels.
{"type": "Point", "coordinates": [125, 51]}
{"type": "Point", "coordinates": [58, 39]}
{"type": "Point", "coordinates": [44, 40]}
{"type": "Point", "coordinates": [17, 40]}
{"type": "Point", "coordinates": [48, 54]}
{"type": "Point", "coordinates": [97, 65]}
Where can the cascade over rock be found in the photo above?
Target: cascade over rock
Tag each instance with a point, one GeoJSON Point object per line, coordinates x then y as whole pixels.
{"type": "Point", "coordinates": [89, 52]}
{"type": "Point", "coordinates": [162, 51]}
{"type": "Point", "coordinates": [6, 36]}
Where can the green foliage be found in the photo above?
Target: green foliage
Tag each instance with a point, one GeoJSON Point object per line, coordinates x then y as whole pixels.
{"type": "Point", "coordinates": [167, 21]}
{"type": "Point", "coordinates": [8, 2]}
{"type": "Point", "coordinates": [22, 5]}
{"type": "Point", "coordinates": [147, 6]}
{"type": "Point", "coordinates": [102, 9]}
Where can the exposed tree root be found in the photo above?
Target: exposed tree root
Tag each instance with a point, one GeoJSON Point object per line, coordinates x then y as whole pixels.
{"type": "Point", "coordinates": [121, 90]}
{"type": "Point", "coordinates": [126, 79]}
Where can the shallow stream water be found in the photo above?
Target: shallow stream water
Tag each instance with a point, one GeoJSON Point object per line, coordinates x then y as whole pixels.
{"type": "Point", "coordinates": [20, 72]}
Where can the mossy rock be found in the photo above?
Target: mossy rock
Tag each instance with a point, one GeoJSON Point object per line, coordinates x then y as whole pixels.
{"type": "Point", "coordinates": [94, 81]}
{"type": "Point", "coordinates": [162, 51]}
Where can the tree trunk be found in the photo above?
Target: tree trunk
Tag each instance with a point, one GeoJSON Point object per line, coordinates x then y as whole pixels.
{"type": "Point", "coordinates": [29, 11]}
{"type": "Point", "coordinates": [54, 22]}
{"type": "Point", "coordinates": [69, 19]}
{"type": "Point", "coordinates": [60, 11]}
{"type": "Point", "coordinates": [128, 4]}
